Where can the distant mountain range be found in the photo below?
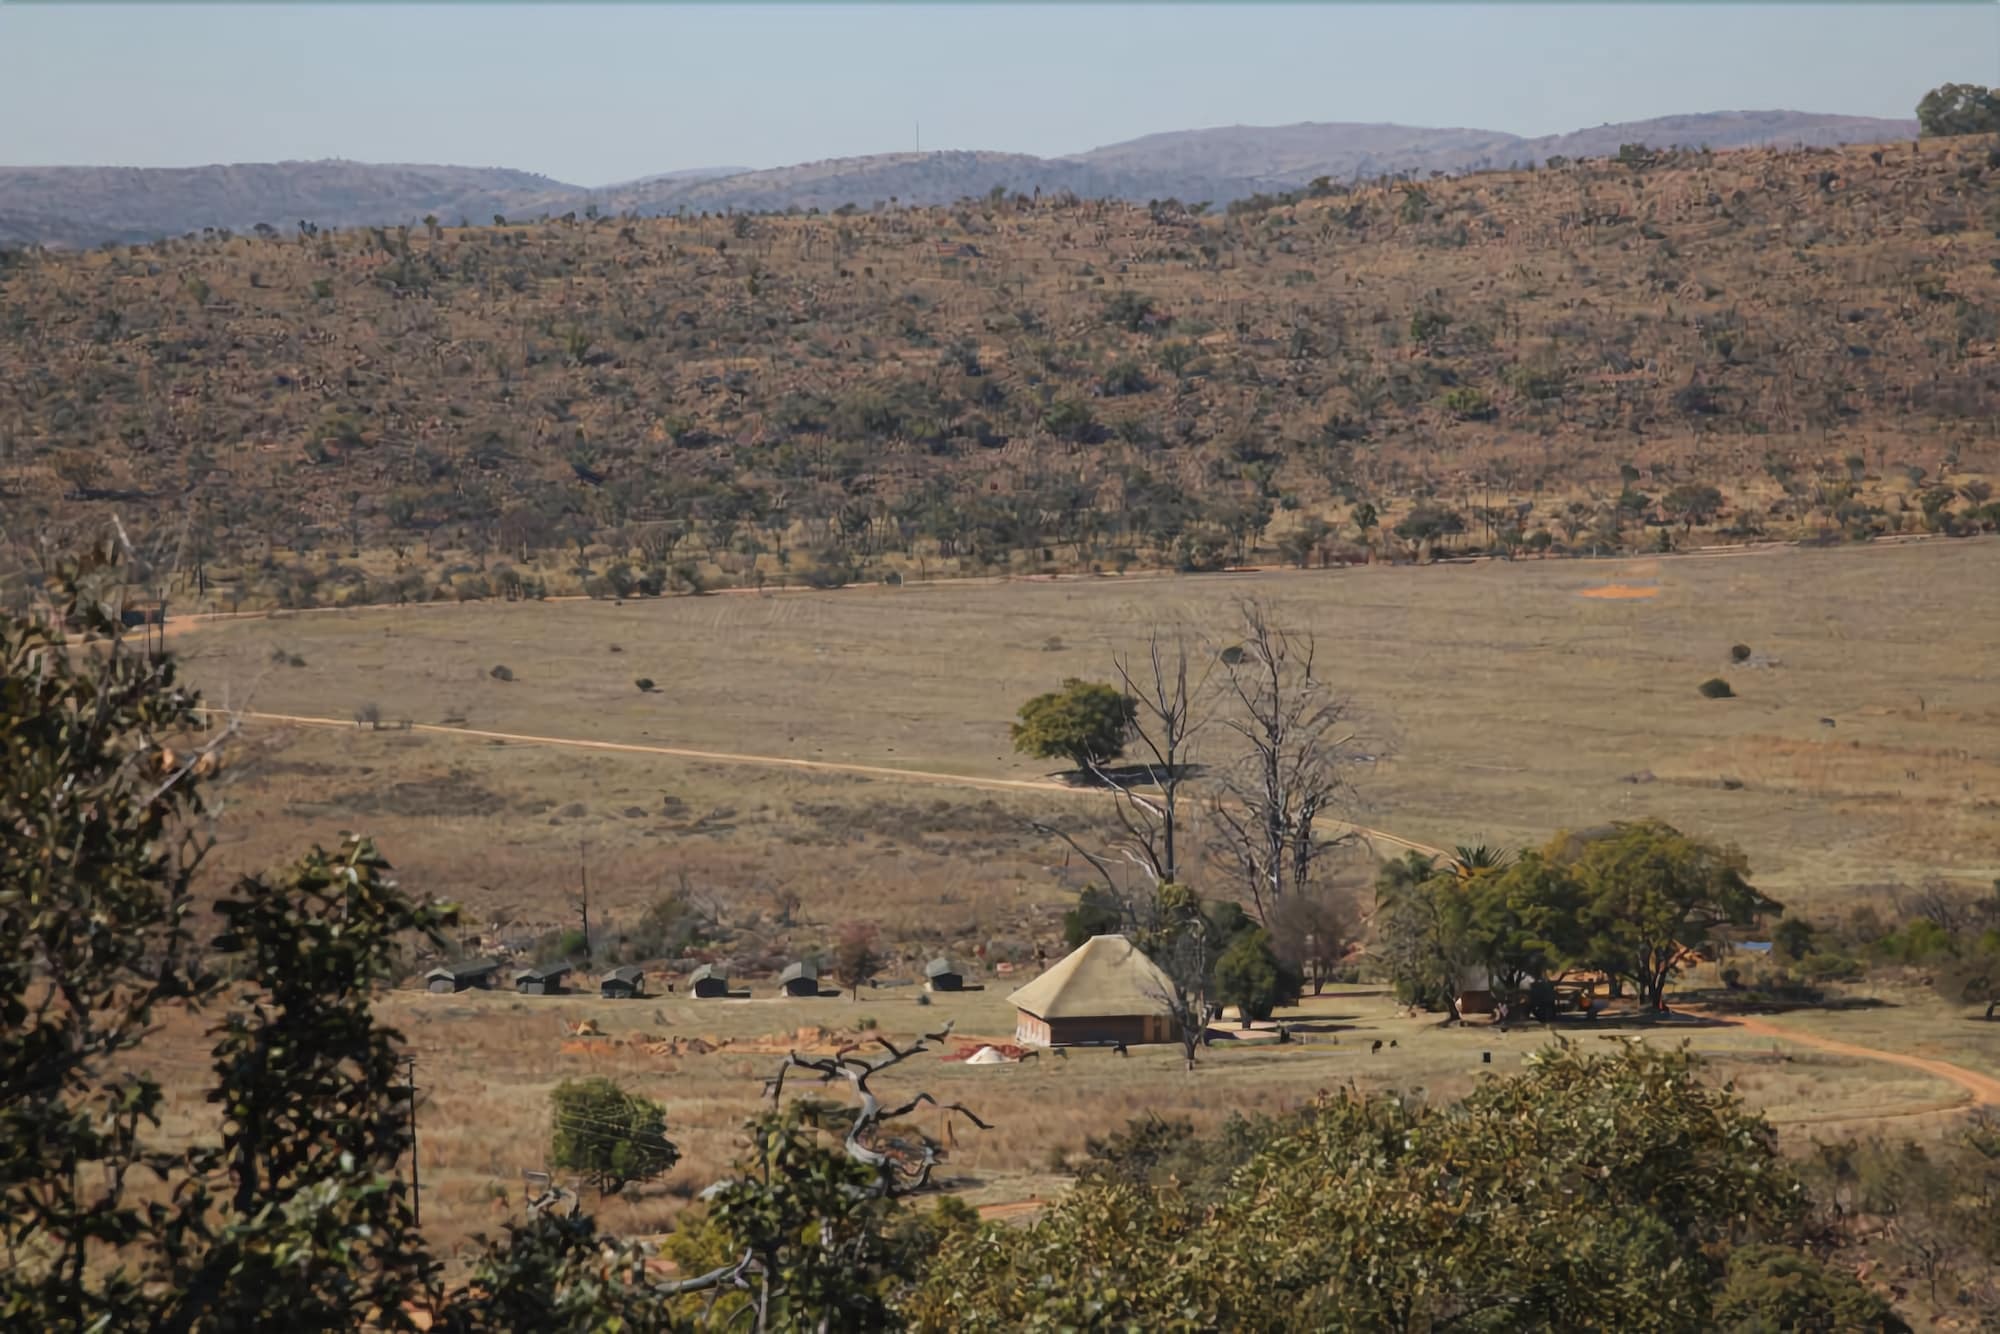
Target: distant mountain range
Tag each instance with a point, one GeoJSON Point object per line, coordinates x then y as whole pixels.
{"type": "Point", "coordinates": [79, 206]}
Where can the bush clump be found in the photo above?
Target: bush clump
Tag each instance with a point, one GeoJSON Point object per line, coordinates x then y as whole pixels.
{"type": "Point", "coordinates": [1739, 653]}
{"type": "Point", "coordinates": [1716, 688]}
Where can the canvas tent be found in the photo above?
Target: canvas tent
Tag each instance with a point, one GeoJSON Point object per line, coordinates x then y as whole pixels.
{"type": "Point", "coordinates": [472, 974]}
{"type": "Point", "coordinates": [623, 983]}
{"type": "Point", "coordinates": [1105, 990]}
{"type": "Point", "coordinates": [546, 980]}
{"type": "Point", "coordinates": [709, 981]}
{"type": "Point", "coordinates": [943, 975]}
{"type": "Point", "coordinates": [800, 979]}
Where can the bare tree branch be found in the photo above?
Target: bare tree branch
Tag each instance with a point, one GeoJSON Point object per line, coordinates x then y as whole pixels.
{"type": "Point", "coordinates": [897, 1175]}
{"type": "Point", "coordinates": [1299, 741]}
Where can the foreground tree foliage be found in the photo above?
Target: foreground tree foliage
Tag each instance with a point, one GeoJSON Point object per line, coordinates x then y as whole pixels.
{"type": "Point", "coordinates": [296, 1214]}
{"type": "Point", "coordinates": [1590, 1191]}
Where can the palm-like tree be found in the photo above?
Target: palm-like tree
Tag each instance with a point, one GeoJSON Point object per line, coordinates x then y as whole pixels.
{"type": "Point", "coordinates": [1469, 860]}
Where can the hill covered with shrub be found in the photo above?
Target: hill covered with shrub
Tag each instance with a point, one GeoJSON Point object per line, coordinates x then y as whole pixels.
{"type": "Point", "coordinates": [1613, 353]}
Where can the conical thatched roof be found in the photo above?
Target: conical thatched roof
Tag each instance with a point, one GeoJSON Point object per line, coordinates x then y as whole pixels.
{"type": "Point", "coordinates": [1103, 977]}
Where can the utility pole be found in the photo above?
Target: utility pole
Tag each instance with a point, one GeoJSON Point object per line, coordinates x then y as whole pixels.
{"type": "Point", "coordinates": [416, 1193]}
{"type": "Point", "coordinates": [583, 882]}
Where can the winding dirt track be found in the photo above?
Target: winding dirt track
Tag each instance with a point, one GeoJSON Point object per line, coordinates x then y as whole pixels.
{"type": "Point", "coordinates": [768, 761]}
{"type": "Point", "coordinates": [1982, 1090]}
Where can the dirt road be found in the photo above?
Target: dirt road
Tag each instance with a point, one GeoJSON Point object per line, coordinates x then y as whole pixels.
{"type": "Point", "coordinates": [1982, 1090]}
{"type": "Point", "coordinates": [1042, 785]}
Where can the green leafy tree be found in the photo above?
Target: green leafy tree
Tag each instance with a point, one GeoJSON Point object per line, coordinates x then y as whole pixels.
{"type": "Point", "coordinates": [609, 1136]}
{"type": "Point", "coordinates": [1252, 978]}
{"type": "Point", "coordinates": [1425, 934]}
{"type": "Point", "coordinates": [1691, 503]}
{"type": "Point", "coordinates": [1098, 912]}
{"type": "Point", "coordinates": [1648, 893]}
{"type": "Point", "coordinates": [1086, 723]}
{"type": "Point", "coordinates": [1959, 108]}
{"type": "Point", "coordinates": [1520, 921]}
{"type": "Point", "coordinates": [1365, 518]}
{"type": "Point", "coordinates": [1793, 938]}
{"type": "Point", "coordinates": [1429, 524]}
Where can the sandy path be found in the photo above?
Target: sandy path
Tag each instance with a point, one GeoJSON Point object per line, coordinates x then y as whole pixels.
{"type": "Point", "coordinates": [1041, 785]}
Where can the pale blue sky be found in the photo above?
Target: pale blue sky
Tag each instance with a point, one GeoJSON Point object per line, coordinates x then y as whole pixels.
{"type": "Point", "coordinates": [593, 94]}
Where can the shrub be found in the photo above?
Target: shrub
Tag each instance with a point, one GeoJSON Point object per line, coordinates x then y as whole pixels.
{"type": "Point", "coordinates": [609, 1136]}
{"type": "Point", "coordinates": [1776, 1287]}
{"type": "Point", "coordinates": [1831, 968]}
{"type": "Point", "coordinates": [502, 673]}
{"type": "Point", "coordinates": [1715, 688]}
{"type": "Point", "coordinates": [645, 684]}
{"type": "Point", "coordinates": [1468, 404]}
{"type": "Point", "coordinates": [1739, 653]}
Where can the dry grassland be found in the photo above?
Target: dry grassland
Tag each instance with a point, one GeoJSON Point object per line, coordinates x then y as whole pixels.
{"type": "Point", "coordinates": [1505, 703]}
{"type": "Point", "coordinates": [1502, 703]}
{"type": "Point", "coordinates": [488, 1061]}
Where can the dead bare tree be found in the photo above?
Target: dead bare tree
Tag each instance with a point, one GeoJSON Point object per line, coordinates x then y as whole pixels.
{"type": "Point", "coordinates": [1170, 711]}
{"type": "Point", "coordinates": [903, 1165]}
{"type": "Point", "coordinates": [1299, 735]}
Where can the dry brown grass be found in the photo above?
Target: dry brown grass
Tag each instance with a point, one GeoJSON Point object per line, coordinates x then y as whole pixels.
{"type": "Point", "coordinates": [487, 1063]}
{"type": "Point", "coordinates": [1505, 707]}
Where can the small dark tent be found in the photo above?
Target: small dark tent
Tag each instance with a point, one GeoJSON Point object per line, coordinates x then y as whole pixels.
{"type": "Point", "coordinates": [708, 982]}
{"type": "Point", "coordinates": [801, 979]}
{"type": "Point", "coordinates": [623, 983]}
{"type": "Point", "coordinates": [546, 980]}
{"type": "Point", "coordinates": [470, 973]}
{"type": "Point", "coordinates": [943, 975]}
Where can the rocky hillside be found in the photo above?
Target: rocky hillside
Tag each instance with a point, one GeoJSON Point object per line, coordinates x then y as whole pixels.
{"type": "Point", "coordinates": [1599, 355]}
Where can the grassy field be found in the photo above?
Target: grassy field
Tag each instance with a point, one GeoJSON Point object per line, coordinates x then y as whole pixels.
{"type": "Point", "coordinates": [1502, 704]}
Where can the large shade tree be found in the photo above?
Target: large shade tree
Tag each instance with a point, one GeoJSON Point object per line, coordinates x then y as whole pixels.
{"type": "Point", "coordinates": [1647, 894]}
{"type": "Point", "coordinates": [1085, 723]}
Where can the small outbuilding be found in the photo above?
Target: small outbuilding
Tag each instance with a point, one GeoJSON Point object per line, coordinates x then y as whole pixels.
{"type": "Point", "coordinates": [623, 983]}
{"type": "Point", "coordinates": [471, 974]}
{"type": "Point", "coordinates": [1104, 991]}
{"type": "Point", "coordinates": [800, 979]}
{"type": "Point", "coordinates": [943, 975]}
{"type": "Point", "coordinates": [545, 980]}
{"type": "Point", "coordinates": [708, 982]}
{"type": "Point", "coordinates": [1475, 993]}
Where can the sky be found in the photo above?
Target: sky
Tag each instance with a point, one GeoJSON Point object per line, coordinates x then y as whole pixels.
{"type": "Point", "coordinates": [593, 95]}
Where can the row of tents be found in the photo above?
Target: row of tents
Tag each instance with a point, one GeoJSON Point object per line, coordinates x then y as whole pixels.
{"type": "Point", "coordinates": [710, 981]}
{"type": "Point", "coordinates": [1104, 992]}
